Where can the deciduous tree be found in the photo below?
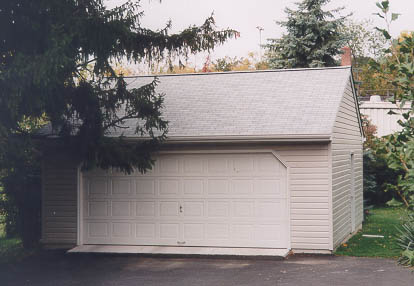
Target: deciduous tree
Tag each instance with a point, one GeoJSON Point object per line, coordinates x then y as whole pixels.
{"type": "Point", "coordinates": [398, 68]}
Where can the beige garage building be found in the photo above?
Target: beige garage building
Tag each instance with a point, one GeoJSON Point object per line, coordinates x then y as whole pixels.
{"type": "Point", "coordinates": [266, 160]}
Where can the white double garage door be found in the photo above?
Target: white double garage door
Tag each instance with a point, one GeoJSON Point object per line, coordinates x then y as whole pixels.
{"type": "Point", "coordinates": [214, 200]}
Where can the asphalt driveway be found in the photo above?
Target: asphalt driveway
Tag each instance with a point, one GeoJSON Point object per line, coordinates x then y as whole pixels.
{"type": "Point", "coordinates": [57, 268]}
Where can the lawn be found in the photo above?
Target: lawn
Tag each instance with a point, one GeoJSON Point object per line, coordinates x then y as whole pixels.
{"type": "Point", "coordinates": [11, 249]}
{"type": "Point", "coordinates": [380, 221]}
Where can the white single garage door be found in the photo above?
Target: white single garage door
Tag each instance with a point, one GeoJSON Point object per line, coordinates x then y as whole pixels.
{"type": "Point", "coordinates": [217, 200]}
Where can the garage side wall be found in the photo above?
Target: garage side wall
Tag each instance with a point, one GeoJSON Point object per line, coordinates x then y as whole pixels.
{"type": "Point", "coordinates": [347, 140]}
{"type": "Point", "coordinates": [59, 201]}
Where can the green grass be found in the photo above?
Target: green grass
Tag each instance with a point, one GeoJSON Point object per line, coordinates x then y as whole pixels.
{"type": "Point", "coordinates": [380, 221]}
{"type": "Point", "coordinates": [11, 249]}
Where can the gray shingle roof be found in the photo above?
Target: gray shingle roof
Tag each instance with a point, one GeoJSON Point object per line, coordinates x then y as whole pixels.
{"type": "Point", "coordinates": [272, 103]}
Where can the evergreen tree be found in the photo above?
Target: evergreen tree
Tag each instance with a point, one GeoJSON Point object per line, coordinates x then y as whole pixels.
{"type": "Point", "coordinates": [55, 58]}
{"type": "Point", "coordinates": [313, 37]}
{"type": "Point", "coordinates": [56, 67]}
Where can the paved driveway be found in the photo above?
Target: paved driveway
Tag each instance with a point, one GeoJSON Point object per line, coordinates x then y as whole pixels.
{"type": "Point", "coordinates": [54, 268]}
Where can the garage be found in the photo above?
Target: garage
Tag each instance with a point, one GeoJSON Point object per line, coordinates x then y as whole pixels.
{"type": "Point", "coordinates": [254, 163]}
{"type": "Point", "coordinates": [215, 200]}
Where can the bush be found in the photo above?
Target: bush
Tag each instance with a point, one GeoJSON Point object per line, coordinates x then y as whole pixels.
{"type": "Point", "coordinates": [406, 242]}
{"type": "Point", "coordinates": [20, 185]}
{"type": "Point", "coordinates": [8, 215]}
{"type": "Point", "coordinates": [377, 176]}
{"type": "Point", "coordinates": [21, 205]}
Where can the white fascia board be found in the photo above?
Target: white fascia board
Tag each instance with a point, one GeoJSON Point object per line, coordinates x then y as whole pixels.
{"type": "Point", "coordinates": [245, 139]}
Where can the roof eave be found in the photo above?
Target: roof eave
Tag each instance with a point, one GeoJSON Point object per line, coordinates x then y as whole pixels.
{"type": "Point", "coordinates": [246, 138]}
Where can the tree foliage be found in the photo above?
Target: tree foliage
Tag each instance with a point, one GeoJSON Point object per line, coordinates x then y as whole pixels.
{"type": "Point", "coordinates": [61, 66]}
{"type": "Point", "coordinates": [398, 68]}
{"type": "Point", "coordinates": [46, 45]}
{"type": "Point", "coordinates": [251, 62]}
{"type": "Point", "coordinates": [363, 39]}
{"type": "Point", "coordinates": [313, 37]}
{"type": "Point", "coordinates": [366, 44]}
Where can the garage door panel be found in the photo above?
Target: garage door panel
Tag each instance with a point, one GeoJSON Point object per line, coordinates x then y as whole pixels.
{"type": "Point", "coordinates": [271, 210]}
{"type": "Point", "coordinates": [121, 187]}
{"type": "Point", "coordinates": [242, 187]}
{"type": "Point", "coordinates": [193, 187]}
{"type": "Point", "coordinates": [268, 232]}
{"type": "Point", "coordinates": [217, 231]}
{"type": "Point", "coordinates": [243, 209]}
{"type": "Point", "coordinates": [169, 231]}
{"type": "Point", "coordinates": [97, 209]}
{"type": "Point", "coordinates": [220, 200]}
{"type": "Point", "coordinates": [244, 165]}
{"type": "Point", "coordinates": [122, 229]}
{"type": "Point", "coordinates": [146, 209]}
{"type": "Point", "coordinates": [98, 229]}
{"type": "Point", "coordinates": [146, 231]}
{"type": "Point", "coordinates": [98, 187]}
{"type": "Point", "coordinates": [194, 232]}
{"type": "Point", "coordinates": [268, 186]}
{"type": "Point", "coordinates": [121, 209]}
{"type": "Point", "coordinates": [193, 166]}
{"type": "Point", "coordinates": [218, 187]}
{"type": "Point", "coordinates": [218, 209]}
{"type": "Point", "coordinates": [193, 209]}
{"type": "Point", "coordinates": [169, 208]}
{"type": "Point", "coordinates": [217, 165]}
{"type": "Point", "coordinates": [169, 187]}
{"type": "Point", "coordinates": [169, 165]}
{"type": "Point", "coordinates": [145, 187]}
{"type": "Point", "coordinates": [243, 232]}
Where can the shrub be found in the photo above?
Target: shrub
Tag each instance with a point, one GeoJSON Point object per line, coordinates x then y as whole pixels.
{"type": "Point", "coordinates": [8, 215]}
{"type": "Point", "coordinates": [406, 242]}
{"type": "Point", "coordinates": [20, 182]}
{"type": "Point", "coordinates": [377, 176]}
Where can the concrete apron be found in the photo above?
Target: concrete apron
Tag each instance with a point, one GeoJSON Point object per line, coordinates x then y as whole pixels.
{"type": "Point", "coordinates": [183, 251]}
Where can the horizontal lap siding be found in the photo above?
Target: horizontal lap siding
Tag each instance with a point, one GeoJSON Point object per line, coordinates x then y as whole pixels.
{"type": "Point", "coordinates": [309, 179]}
{"type": "Point", "coordinates": [309, 172]}
{"type": "Point", "coordinates": [59, 204]}
{"type": "Point", "coordinates": [346, 139]}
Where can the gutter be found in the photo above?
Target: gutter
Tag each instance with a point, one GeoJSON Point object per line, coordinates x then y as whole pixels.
{"type": "Point", "coordinates": [245, 139]}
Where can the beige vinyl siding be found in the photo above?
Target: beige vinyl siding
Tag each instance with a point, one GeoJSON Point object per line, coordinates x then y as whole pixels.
{"type": "Point", "coordinates": [309, 187]}
{"type": "Point", "coordinates": [309, 179]}
{"type": "Point", "coordinates": [346, 139]}
{"type": "Point", "coordinates": [59, 204]}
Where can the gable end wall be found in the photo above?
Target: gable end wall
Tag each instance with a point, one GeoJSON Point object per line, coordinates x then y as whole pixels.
{"type": "Point", "coordinates": [346, 139]}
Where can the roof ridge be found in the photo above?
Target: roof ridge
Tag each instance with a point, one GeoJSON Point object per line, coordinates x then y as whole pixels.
{"type": "Point", "coordinates": [240, 72]}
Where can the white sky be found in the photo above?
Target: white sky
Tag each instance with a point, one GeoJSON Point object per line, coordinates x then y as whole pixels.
{"type": "Point", "coordinates": [245, 15]}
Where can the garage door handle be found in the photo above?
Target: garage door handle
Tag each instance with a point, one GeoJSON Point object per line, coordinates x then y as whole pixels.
{"type": "Point", "coordinates": [181, 209]}
{"type": "Point", "coordinates": [180, 242]}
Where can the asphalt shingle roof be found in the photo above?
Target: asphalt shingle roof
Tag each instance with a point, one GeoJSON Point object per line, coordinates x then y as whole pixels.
{"type": "Point", "coordinates": [260, 103]}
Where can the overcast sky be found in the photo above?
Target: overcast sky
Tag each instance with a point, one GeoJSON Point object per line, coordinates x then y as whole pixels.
{"type": "Point", "coordinates": [245, 15]}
